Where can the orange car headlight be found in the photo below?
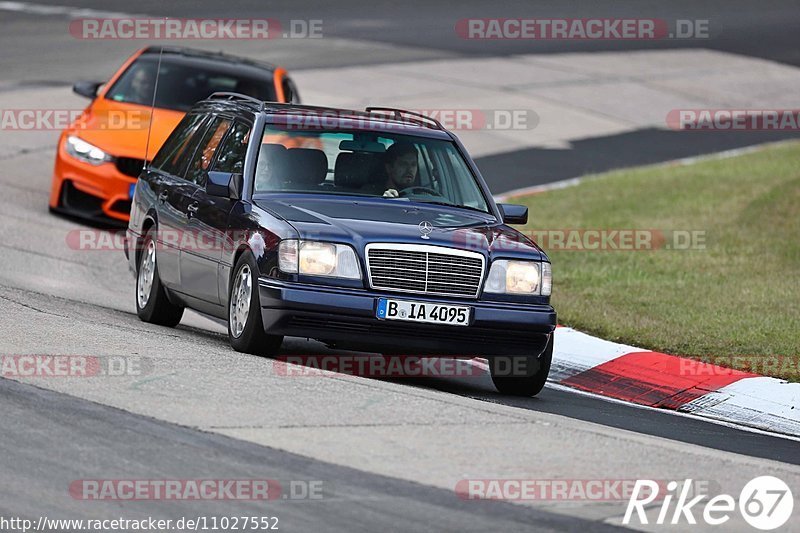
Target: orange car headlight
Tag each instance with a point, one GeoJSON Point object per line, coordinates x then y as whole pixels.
{"type": "Point", "coordinates": [86, 152]}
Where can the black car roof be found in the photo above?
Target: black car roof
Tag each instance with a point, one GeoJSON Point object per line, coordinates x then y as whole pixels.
{"type": "Point", "coordinates": [218, 58]}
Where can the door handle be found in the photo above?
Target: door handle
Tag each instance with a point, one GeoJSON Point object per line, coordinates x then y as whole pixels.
{"type": "Point", "coordinates": [162, 197]}
{"type": "Point", "coordinates": [192, 208]}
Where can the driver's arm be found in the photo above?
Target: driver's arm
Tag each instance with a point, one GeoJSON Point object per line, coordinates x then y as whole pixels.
{"type": "Point", "coordinates": [391, 193]}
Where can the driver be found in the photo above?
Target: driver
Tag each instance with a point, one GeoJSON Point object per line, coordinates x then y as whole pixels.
{"type": "Point", "coordinates": [401, 168]}
{"type": "Point", "coordinates": [142, 86]}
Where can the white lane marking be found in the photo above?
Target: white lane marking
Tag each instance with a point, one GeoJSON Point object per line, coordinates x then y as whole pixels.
{"type": "Point", "coordinates": [68, 11]}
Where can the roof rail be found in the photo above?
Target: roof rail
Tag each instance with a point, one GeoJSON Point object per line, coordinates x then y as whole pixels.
{"type": "Point", "coordinates": [401, 115]}
{"type": "Point", "coordinates": [287, 108]}
{"type": "Point", "coordinates": [236, 96]}
{"type": "Point", "coordinates": [413, 116]}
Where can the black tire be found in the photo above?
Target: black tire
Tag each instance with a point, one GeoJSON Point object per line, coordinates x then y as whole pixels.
{"type": "Point", "coordinates": [157, 308]}
{"type": "Point", "coordinates": [530, 376]}
{"type": "Point", "coordinates": [252, 338]}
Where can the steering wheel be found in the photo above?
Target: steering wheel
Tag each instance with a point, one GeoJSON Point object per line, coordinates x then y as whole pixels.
{"type": "Point", "coordinates": [414, 189]}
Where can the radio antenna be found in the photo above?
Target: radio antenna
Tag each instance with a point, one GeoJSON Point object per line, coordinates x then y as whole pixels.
{"type": "Point", "coordinates": [152, 111]}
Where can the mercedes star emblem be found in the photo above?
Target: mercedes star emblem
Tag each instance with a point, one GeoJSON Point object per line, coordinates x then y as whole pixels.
{"type": "Point", "coordinates": [425, 229]}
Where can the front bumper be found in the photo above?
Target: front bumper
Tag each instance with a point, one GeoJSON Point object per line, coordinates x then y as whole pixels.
{"type": "Point", "coordinates": [346, 318]}
{"type": "Point", "coordinates": [99, 192]}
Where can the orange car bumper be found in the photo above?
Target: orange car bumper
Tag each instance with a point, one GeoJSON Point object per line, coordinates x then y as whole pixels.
{"type": "Point", "coordinates": [90, 191]}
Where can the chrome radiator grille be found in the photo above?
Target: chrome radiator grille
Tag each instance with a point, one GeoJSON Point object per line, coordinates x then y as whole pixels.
{"type": "Point", "coordinates": [425, 269]}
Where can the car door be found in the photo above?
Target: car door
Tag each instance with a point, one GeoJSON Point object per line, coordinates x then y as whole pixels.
{"type": "Point", "coordinates": [208, 218]}
{"type": "Point", "coordinates": [173, 195]}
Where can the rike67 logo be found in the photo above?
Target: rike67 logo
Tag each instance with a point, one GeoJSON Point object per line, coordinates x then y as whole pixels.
{"type": "Point", "coordinates": [765, 503]}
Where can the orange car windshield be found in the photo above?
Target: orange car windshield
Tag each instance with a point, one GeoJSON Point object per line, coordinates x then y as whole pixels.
{"type": "Point", "coordinates": [183, 82]}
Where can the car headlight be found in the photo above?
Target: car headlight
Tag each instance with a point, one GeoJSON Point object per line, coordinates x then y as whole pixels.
{"type": "Point", "coordinates": [315, 258]}
{"type": "Point", "coordinates": [83, 151]}
{"type": "Point", "coordinates": [519, 277]}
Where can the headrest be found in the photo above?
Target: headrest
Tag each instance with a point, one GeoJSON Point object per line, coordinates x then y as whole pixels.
{"type": "Point", "coordinates": [308, 167]}
{"type": "Point", "coordinates": [271, 167]}
{"type": "Point", "coordinates": [353, 170]}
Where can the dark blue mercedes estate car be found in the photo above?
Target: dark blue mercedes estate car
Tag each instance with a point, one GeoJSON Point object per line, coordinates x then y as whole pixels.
{"type": "Point", "coordinates": [370, 230]}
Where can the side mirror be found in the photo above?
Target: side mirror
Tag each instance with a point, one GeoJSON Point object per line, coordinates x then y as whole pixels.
{"type": "Point", "coordinates": [224, 184]}
{"type": "Point", "coordinates": [514, 214]}
{"type": "Point", "coordinates": [87, 88]}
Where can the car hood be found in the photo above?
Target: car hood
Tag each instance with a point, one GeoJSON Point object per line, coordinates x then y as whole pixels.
{"type": "Point", "coordinates": [121, 129]}
{"type": "Point", "coordinates": [363, 221]}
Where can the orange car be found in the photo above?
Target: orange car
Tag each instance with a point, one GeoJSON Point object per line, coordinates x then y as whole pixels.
{"type": "Point", "coordinates": [100, 155]}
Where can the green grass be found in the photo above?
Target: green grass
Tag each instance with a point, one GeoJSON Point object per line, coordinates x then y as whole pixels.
{"type": "Point", "coordinates": [740, 296]}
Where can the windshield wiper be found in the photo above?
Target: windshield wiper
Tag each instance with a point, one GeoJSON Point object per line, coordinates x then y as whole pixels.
{"type": "Point", "coordinates": [448, 204]}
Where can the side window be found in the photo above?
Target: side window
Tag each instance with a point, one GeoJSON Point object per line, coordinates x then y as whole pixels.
{"type": "Point", "coordinates": [233, 149]}
{"type": "Point", "coordinates": [204, 155]}
{"type": "Point", "coordinates": [171, 157]}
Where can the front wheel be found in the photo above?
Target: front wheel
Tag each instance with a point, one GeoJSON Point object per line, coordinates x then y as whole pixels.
{"type": "Point", "coordinates": [245, 327]}
{"type": "Point", "coordinates": [523, 375]}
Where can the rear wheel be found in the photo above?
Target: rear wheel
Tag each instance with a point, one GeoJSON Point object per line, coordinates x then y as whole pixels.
{"type": "Point", "coordinates": [523, 375]}
{"type": "Point", "coordinates": [152, 303]}
{"type": "Point", "coordinates": [245, 327]}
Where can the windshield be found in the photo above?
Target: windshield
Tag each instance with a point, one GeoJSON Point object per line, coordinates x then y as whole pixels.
{"type": "Point", "coordinates": [182, 82]}
{"type": "Point", "coordinates": [393, 166]}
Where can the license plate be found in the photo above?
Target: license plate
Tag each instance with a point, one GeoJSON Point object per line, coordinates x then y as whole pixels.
{"type": "Point", "coordinates": [451, 315]}
{"type": "Point", "coordinates": [131, 191]}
